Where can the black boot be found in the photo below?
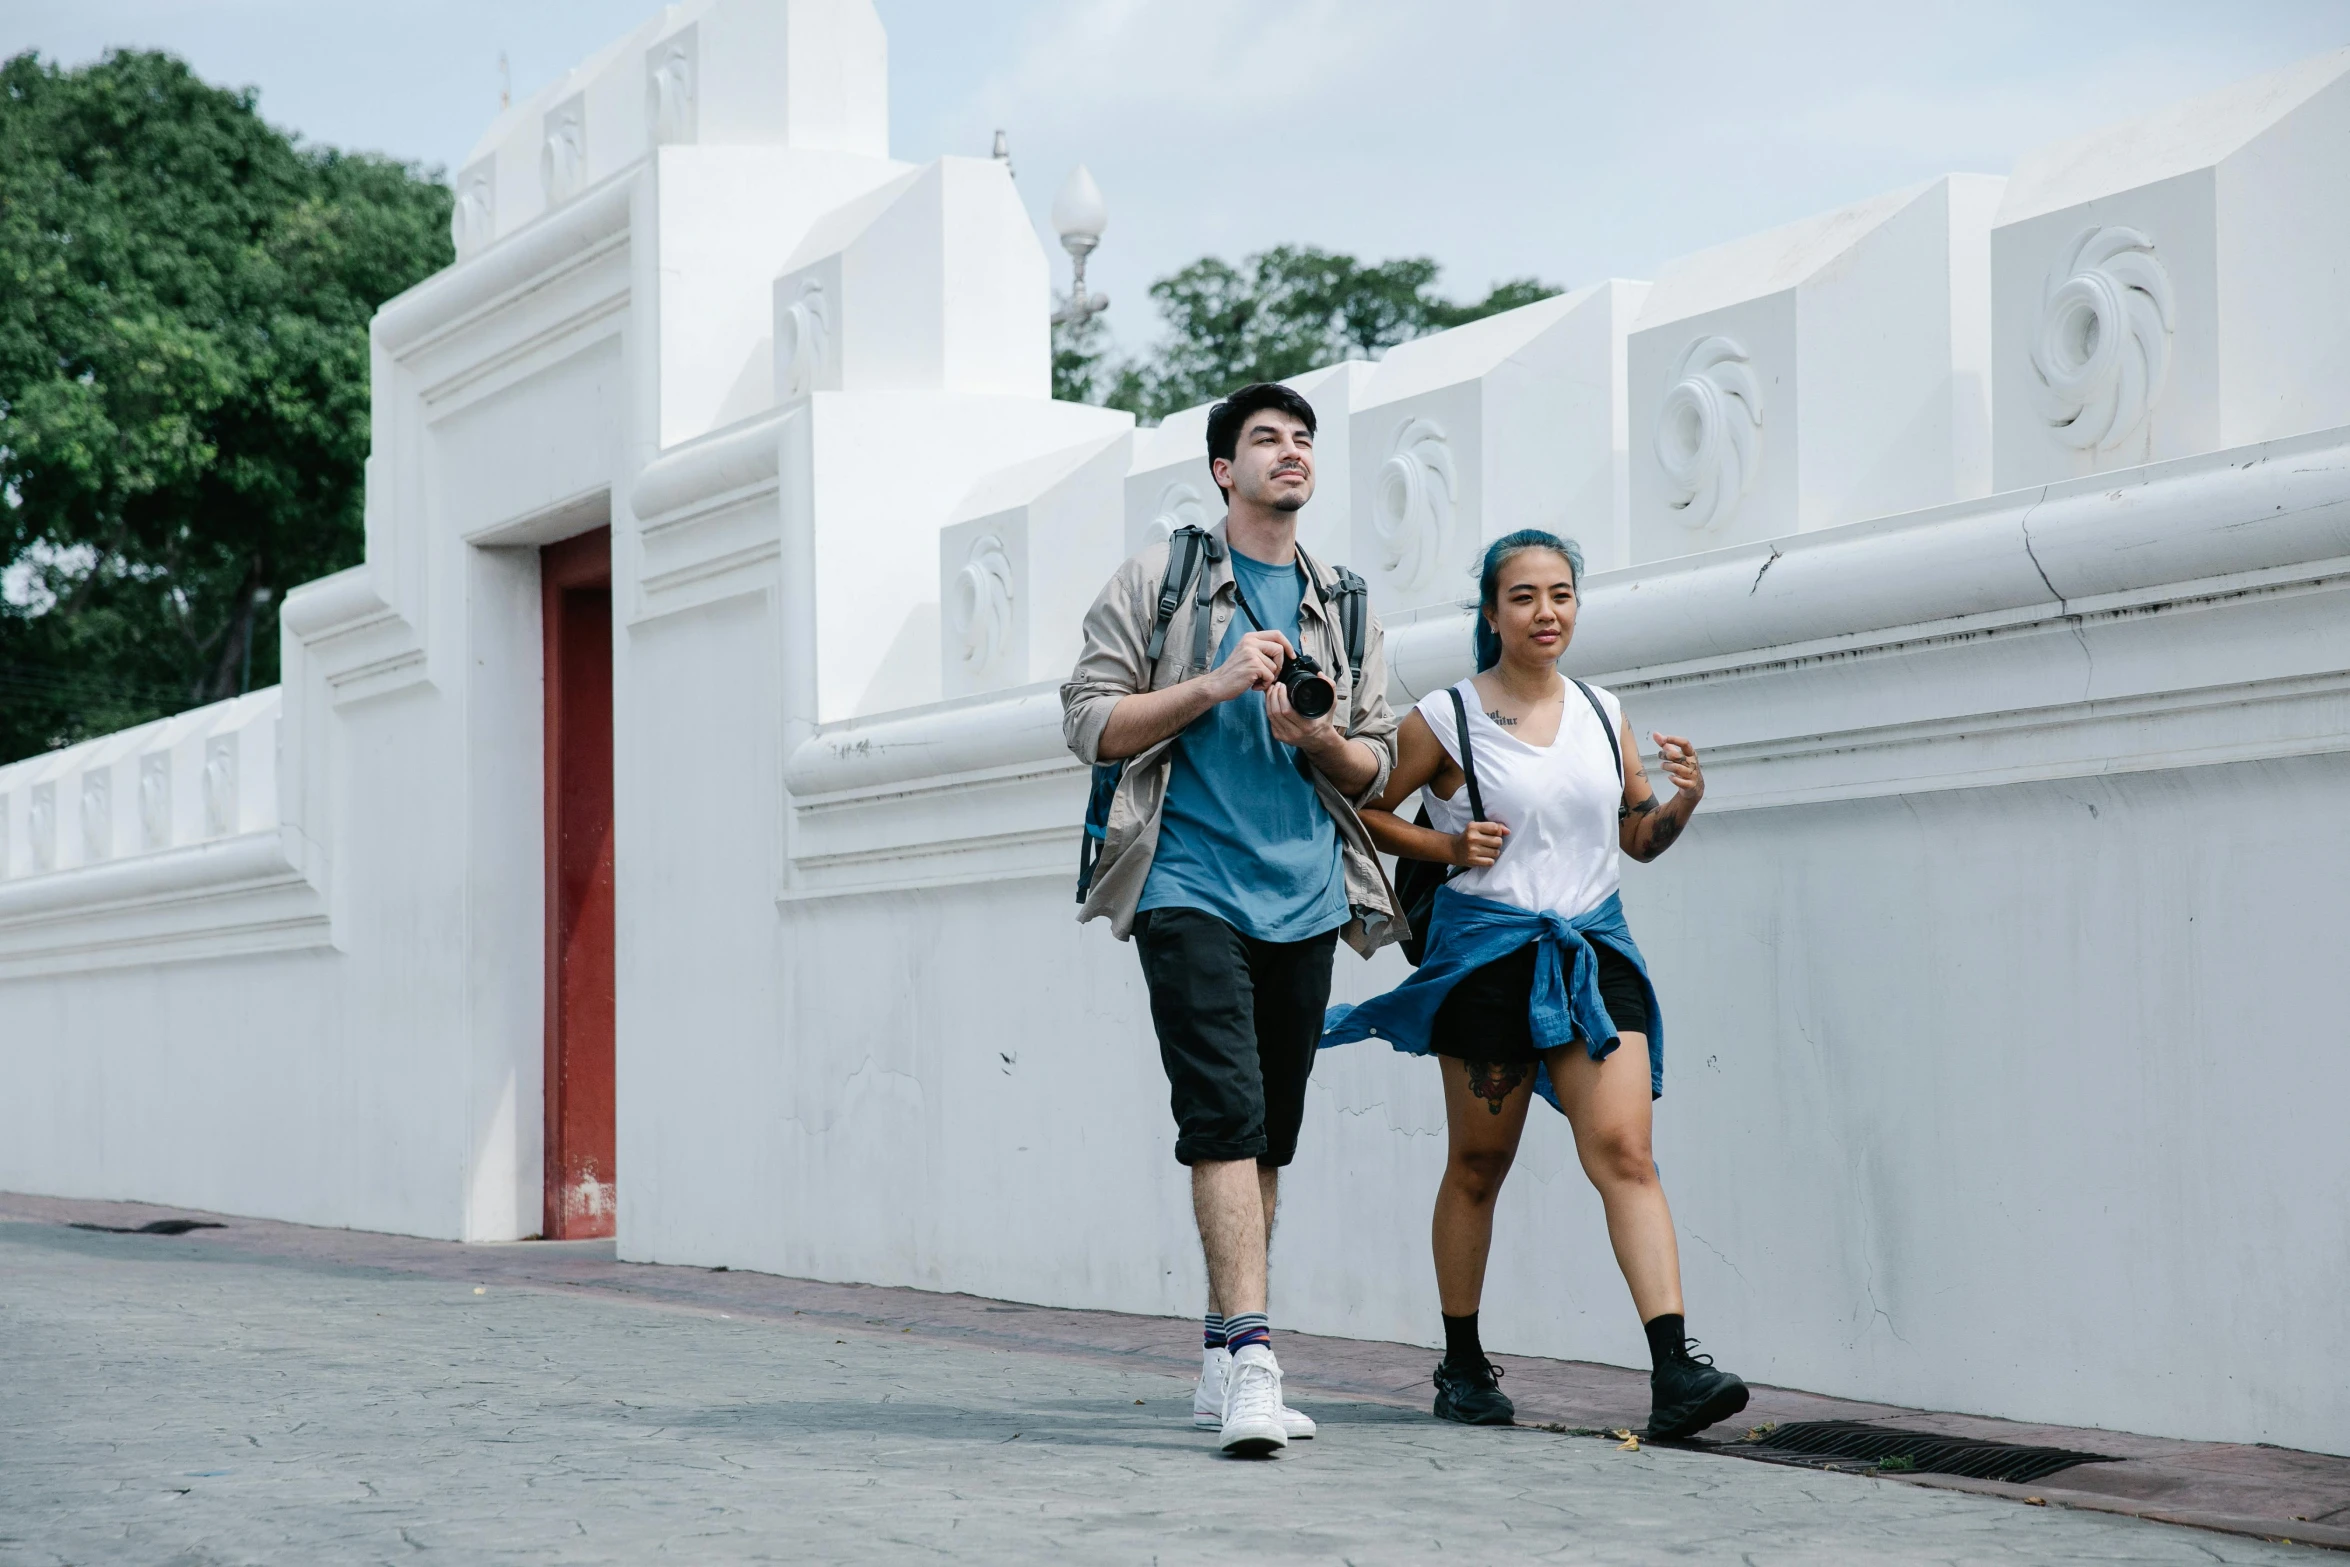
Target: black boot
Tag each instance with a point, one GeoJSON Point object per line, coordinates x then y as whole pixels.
{"type": "Point", "coordinates": [1470, 1393]}
{"type": "Point", "coordinates": [1687, 1394]}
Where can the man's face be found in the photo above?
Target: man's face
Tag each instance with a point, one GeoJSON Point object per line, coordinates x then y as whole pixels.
{"type": "Point", "coordinates": [1273, 463]}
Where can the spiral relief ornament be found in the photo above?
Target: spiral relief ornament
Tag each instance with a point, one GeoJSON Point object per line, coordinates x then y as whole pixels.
{"type": "Point", "coordinates": [669, 92]}
{"type": "Point", "coordinates": [979, 607]}
{"type": "Point", "coordinates": [563, 152]}
{"type": "Point", "coordinates": [473, 216]}
{"type": "Point", "coordinates": [1180, 506]}
{"type": "Point", "coordinates": [1412, 502]}
{"type": "Point", "coordinates": [803, 333]}
{"type": "Point", "coordinates": [2103, 349]}
{"type": "Point", "coordinates": [1709, 432]}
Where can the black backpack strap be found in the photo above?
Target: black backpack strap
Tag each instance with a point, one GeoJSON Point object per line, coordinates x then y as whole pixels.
{"type": "Point", "coordinates": [1354, 618]}
{"type": "Point", "coordinates": [1184, 548]}
{"type": "Point", "coordinates": [1348, 598]}
{"type": "Point", "coordinates": [1460, 718]}
{"type": "Point", "coordinates": [1615, 747]}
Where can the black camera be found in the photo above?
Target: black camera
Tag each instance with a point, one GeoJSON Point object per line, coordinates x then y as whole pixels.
{"type": "Point", "coordinates": [1311, 694]}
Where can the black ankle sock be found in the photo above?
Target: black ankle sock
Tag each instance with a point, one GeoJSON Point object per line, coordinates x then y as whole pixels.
{"type": "Point", "coordinates": [1460, 1340]}
{"type": "Point", "coordinates": [1667, 1337]}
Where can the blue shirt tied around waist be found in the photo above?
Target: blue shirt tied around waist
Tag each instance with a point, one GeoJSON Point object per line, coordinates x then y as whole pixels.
{"type": "Point", "coordinates": [1466, 933]}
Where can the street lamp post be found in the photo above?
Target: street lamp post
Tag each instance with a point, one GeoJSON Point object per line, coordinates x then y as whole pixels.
{"type": "Point", "coordinates": [1079, 218]}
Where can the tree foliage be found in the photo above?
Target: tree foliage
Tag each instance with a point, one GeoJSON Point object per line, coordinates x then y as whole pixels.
{"type": "Point", "coordinates": [1277, 314]}
{"type": "Point", "coordinates": [184, 299]}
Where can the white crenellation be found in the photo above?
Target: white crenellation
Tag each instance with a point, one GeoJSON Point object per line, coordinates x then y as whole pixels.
{"type": "Point", "coordinates": [2168, 286]}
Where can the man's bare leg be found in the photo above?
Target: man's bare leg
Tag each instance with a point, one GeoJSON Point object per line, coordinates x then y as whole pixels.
{"type": "Point", "coordinates": [1269, 1197]}
{"type": "Point", "coordinates": [1228, 1200]}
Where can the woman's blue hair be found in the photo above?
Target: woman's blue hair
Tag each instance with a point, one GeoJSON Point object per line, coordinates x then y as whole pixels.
{"type": "Point", "coordinates": [1497, 554]}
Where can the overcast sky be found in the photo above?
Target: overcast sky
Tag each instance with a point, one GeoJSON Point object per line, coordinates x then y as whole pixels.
{"type": "Point", "coordinates": [1502, 137]}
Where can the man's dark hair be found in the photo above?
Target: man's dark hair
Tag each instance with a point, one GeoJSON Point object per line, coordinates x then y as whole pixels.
{"type": "Point", "coordinates": [1229, 417]}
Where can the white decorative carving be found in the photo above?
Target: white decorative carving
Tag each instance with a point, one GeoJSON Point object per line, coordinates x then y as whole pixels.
{"type": "Point", "coordinates": [1180, 506]}
{"type": "Point", "coordinates": [1412, 501]}
{"type": "Point", "coordinates": [41, 827]}
{"type": "Point", "coordinates": [670, 89]}
{"type": "Point", "coordinates": [2103, 349]}
{"type": "Point", "coordinates": [1709, 432]}
{"type": "Point", "coordinates": [563, 155]}
{"type": "Point", "coordinates": [803, 334]}
{"type": "Point", "coordinates": [473, 220]}
{"type": "Point", "coordinates": [155, 800]}
{"type": "Point", "coordinates": [97, 814]}
{"type": "Point", "coordinates": [220, 786]}
{"type": "Point", "coordinates": [979, 605]}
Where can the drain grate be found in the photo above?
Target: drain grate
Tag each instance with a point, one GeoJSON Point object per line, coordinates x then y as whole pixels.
{"type": "Point", "coordinates": [1824, 1442]}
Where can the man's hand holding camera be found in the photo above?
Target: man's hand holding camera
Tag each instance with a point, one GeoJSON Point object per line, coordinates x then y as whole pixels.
{"type": "Point", "coordinates": [1264, 661]}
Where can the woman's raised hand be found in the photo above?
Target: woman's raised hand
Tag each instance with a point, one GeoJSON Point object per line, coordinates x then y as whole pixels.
{"type": "Point", "coordinates": [1479, 845]}
{"type": "Point", "coordinates": [1680, 759]}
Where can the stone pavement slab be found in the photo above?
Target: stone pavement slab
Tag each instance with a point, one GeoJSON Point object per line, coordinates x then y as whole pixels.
{"type": "Point", "coordinates": [265, 1393]}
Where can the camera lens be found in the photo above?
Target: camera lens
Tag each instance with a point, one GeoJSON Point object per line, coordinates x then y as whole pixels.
{"type": "Point", "coordinates": [1311, 695]}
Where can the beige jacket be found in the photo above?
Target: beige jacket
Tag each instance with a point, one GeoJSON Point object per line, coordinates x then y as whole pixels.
{"type": "Point", "coordinates": [1117, 639]}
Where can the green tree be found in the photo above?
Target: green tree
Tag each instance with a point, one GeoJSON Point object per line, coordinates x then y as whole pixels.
{"type": "Point", "coordinates": [184, 299]}
{"type": "Point", "coordinates": [1279, 313]}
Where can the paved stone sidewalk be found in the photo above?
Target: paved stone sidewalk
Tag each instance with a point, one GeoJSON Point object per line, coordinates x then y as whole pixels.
{"type": "Point", "coordinates": [174, 1401]}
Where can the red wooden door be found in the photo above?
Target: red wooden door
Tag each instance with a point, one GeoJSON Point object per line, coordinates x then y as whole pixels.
{"type": "Point", "coordinates": [575, 580]}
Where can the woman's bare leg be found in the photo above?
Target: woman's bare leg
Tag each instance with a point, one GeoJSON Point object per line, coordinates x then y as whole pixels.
{"type": "Point", "coordinates": [1484, 1113]}
{"type": "Point", "coordinates": [1607, 1103]}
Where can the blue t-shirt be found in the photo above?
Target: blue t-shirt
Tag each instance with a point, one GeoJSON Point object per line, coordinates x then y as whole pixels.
{"type": "Point", "coordinates": [1243, 836]}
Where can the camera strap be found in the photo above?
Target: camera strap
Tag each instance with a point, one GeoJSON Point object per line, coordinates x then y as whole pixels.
{"type": "Point", "coordinates": [1241, 594]}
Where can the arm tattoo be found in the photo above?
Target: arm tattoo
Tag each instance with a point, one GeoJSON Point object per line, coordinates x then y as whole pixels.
{"type": "Point", "coordinates": [1661, 833]}
{"type": "Point", "coordinates": [1645, 806]}
{"type": "Point", "coordinates": [1494, 713]}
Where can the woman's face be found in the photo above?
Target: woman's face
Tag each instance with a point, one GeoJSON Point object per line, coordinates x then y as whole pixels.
{"type": "Point", "coordinates": [1533, 609]}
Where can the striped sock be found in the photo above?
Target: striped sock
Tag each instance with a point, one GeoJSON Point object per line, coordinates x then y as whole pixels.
{"type": "Point", "coordinates": [1243, 1328]}
{"type": "Point", "coordinates": [1212, 1330]}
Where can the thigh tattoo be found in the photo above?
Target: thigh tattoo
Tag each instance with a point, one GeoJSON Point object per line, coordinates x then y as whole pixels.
{"type": "Point", "coordinates": [1495, 1081]}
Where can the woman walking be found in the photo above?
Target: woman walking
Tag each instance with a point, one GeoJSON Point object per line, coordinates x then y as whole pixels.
{"type": "Point", "coordinates": [1530, 982]}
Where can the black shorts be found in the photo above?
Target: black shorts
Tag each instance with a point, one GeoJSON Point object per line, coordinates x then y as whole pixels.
{"type": "Point", "coordinates": [1483, 1018]}
{"type": "Point", "coordinates": [1239, 1023]}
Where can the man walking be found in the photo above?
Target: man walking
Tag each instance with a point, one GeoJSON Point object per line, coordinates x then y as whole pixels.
{"type": "Point", "coordinates": [1231, 851]}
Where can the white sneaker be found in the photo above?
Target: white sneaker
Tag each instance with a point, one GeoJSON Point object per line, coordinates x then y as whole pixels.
{"type": "Point", "coordinates": [1252, 1405]}
{"type": "Point", "coordinates": [1207, 1399]}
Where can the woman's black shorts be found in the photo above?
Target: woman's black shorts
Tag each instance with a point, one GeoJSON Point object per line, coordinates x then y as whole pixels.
{"type": "Point", "coordinates": [1483, 1018]}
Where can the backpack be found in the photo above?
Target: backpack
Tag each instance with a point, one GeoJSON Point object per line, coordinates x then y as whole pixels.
{"type": "Point", "coordinates": [1416, 881]}
{"type": "Point", "coordinates": [1186, 548]}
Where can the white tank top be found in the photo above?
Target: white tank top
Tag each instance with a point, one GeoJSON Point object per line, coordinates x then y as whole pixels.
{"type": "Point", "coordinates": [1558, 801]}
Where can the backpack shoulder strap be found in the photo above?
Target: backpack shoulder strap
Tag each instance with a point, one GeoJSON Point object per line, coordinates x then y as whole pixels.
{"type": "Point", "coordinates": [1183, 555]}
{"type": "Point", "coordinates": [1460, 718]}
{"type": "Point", "coordinates": [1349, 597]}
{"type": "Point", "coordinates": [1354, 617]}
{"type": "Point", "coordinates": [1615, 747]}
